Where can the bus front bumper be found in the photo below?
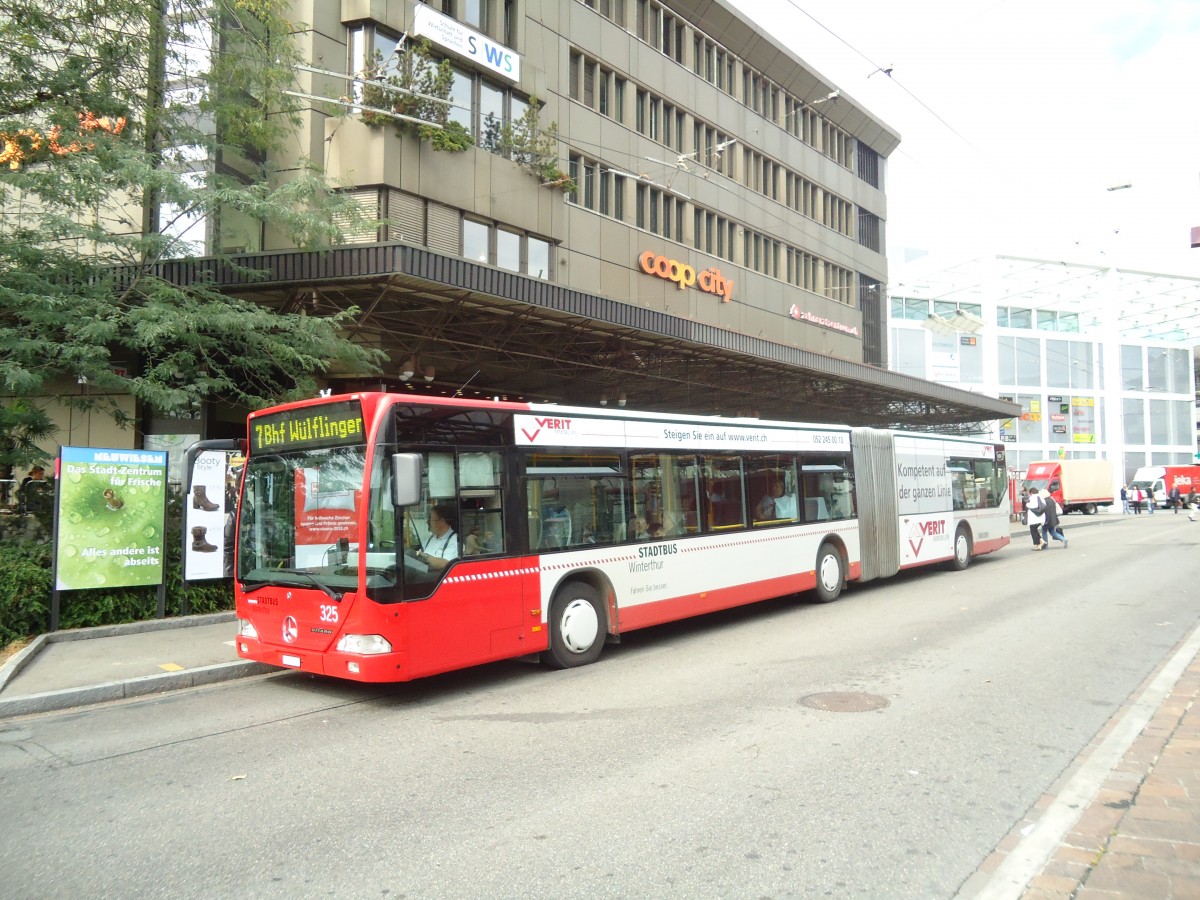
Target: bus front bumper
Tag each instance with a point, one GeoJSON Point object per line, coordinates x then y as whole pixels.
{"type": "Point", "coordinates": [374, 667]}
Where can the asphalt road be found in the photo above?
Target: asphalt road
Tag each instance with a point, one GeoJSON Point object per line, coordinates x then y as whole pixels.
{"type": "Point", "coordinates": [691, 761]}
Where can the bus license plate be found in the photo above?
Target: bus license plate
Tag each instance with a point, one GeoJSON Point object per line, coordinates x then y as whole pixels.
{"type": "Point", "coordinates": [293, 661]}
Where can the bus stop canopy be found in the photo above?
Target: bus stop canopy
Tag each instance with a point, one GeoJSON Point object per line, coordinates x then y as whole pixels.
{"type": "Point", "coordinates": [481, 332]}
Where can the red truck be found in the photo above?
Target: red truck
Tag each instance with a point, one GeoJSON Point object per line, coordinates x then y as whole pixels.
{"type": "Point", "coordinates": [1077, 484]}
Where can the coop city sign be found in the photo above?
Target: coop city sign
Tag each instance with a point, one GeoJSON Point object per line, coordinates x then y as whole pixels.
{"type": "Point", "coordinates": [711, 281]}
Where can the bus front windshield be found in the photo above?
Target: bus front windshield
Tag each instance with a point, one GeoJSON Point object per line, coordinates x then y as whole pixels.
{"type": "Point", "coordinates": [300, 516]}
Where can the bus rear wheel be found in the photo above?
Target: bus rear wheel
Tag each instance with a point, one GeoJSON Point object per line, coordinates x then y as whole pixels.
{"type": "Point", "coordinates": [830, 574]}
{"type": "Point", "coordinates": [962, 550]}
{"type": "Point", "coordinates": [577, 627]}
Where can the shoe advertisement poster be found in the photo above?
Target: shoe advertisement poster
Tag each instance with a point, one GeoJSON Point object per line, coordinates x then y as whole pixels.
{"type": "Point", "coordinates": [208, 517]}
{"type": "Point", "coordinates": [111, 518]}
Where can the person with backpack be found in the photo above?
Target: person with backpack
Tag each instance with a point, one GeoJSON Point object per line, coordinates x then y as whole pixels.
{"type": "Point", "coordinates": [1035, 517]}
{"type": "Point", "coordinates": [1050, 528]}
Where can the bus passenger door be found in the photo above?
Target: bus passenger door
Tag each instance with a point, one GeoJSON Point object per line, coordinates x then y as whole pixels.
{"type": "Point", "coordinates": [472, 610]}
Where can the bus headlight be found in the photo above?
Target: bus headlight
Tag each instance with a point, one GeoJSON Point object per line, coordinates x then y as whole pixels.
{"type": "Point", "coordinates": [366, 644]}
{"type": "Point", "coordinates": [246, 629]}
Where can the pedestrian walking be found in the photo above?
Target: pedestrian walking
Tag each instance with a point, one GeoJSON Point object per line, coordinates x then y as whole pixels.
{"type": "Point", "coordinates": [1149, 495]}
{"type": "Point", "coordinates": [1135, 498]}
{"type": "Point", "coordinates": [1173, 498]}
{"type": "Point", "coordinates": [1191, 502]}
{"type": "Point", "coordinates": [1035, 516]}
{"type": "Point", "coordinates": [1050, 527]}
{"type": "Point", "coordinates": [1125, 500]}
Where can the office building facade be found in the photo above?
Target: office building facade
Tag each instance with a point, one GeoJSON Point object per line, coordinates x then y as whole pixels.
{"type": "Point", "coordinates": [1099, 359]}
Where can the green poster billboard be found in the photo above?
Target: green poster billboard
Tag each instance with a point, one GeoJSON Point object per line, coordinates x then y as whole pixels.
{"type": "Point", "coordinates": [111, 518]}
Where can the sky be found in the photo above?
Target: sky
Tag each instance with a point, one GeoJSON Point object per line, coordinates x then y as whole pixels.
{"type": "Point", "coordinates": [1017, 116]}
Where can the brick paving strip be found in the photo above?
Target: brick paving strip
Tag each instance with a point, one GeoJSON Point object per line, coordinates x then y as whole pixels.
{"type": "Point", "coordinates": [1124, 821]}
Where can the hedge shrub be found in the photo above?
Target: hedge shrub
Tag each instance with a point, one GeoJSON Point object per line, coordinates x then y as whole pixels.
{"type": "Point", "coordinates": [26, 584]}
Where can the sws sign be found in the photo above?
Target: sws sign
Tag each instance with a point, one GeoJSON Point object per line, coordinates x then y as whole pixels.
{"type": "Point", "coordinates": [711, 281]}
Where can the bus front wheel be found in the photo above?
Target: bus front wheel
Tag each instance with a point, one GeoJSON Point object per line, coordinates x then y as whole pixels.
{"type": "Point", "coordinates": [577, 627]}
{"type": "Point", "coordinates": [830, 574]}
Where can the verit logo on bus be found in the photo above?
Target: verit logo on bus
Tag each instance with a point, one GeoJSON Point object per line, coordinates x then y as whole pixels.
{"type": "Point", "coordinates": [549, 425]}
{"type": "Point", "coordinates": [711, 281]}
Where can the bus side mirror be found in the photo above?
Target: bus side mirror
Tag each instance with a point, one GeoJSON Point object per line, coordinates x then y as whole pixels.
{"type": "Point", "coordinates": [406, 479]}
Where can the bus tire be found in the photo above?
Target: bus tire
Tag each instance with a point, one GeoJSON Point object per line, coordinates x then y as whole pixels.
{"type": "Point", "coordinates": [962, 549]}
{"type": "Point", "coordinates": [830, 574]}
{"type": "Point", "coordinates": [578, 626]}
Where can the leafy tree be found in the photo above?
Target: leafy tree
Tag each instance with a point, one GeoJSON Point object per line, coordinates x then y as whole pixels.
{"type": "Point", "coordinates": [134, 132]}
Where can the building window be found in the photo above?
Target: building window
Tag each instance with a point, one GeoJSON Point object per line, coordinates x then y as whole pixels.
{"type": "Point", "coordinates": [475, 241]}
{"type": "Point", "coordinates": [475, 13]}
{"type": "Point", "coordinates": [483, 108]}
{"type": "Point", "coordinates": [870, 231]}
{"type": "Point", "coordinates": [598, 187]}
{"type": "Point", "coordinates": [508, 250]}
{"type": "Point", "coordinates": [610, 9]}
{"type": "Point", "coordinates": [1132, 368]}
{"type": "Point", "coordinates": [461, 98]}
{"type": "Point", "coordinates": [491, 116]}
{"type": "Point", "coordinates": [372, 52]}
{"type": "Point", "coordinates": [486, 243]}
{"type": "Point", "coordinates": [538, 264]}
{"type": "Point", "coordinates": [868, 165]}
{"type": "Point", "coordinates": [909, 347]}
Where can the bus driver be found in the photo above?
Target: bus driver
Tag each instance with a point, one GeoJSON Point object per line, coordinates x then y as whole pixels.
{"type": "Point", "coordinates": [442, 547]}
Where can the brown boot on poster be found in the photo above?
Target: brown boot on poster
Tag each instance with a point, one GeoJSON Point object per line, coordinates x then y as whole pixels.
{"type": "Point", "coordinates": [200, 499]}
{"type": "Point", "coordinates": [200, 541]}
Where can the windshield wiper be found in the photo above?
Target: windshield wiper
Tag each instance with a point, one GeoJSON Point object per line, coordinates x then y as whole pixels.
{"type": "Point", "coordinates": [334, 595]}
{"type": "Point", "coordinates": [253, 584]}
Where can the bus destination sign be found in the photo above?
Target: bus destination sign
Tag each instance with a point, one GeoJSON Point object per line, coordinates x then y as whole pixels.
{"type": "Point", "coordinates": [331, 425]}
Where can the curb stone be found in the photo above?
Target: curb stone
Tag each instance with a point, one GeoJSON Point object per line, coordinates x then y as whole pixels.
{"type": "Point", "coordinates": [117, 690]}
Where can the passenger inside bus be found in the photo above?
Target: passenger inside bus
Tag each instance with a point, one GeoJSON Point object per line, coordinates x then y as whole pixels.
{"type": "Point", "coordinates": [777, 504]}
{"type": "Point", "coordinates": [839, 496]}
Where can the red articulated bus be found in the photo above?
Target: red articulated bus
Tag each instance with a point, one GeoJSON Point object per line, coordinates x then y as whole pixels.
{"type": "Point", "coordinates": [384, 537]}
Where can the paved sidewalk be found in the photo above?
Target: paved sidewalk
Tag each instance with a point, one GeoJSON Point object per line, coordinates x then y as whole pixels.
{"type": "Point", "coordinates": [1140, 837]}
{"type": "Point", "coordinates": [1136, 835]}
{"type": "Point", "coordinates": [65, 669]}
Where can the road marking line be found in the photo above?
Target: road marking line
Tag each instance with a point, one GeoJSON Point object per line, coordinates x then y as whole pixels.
{"type": "Point", "coordinates": [1030, 856]}
{"type": "Point", "coordinates": [171, 667]}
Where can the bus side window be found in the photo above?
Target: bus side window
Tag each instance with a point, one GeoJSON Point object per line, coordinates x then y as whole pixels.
{"type": "Point", "coordinates": [574, 500]}
{"type": "Point", "coordinates": [724, 493]}
{"type": "Point", "coordinates": [772, 489]}
{"type": "Point", "coordinates": [828, 487]}
{"type": "Point", "coordinates": [480, 507]}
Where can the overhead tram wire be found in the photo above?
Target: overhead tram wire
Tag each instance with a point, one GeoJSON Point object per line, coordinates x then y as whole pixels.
{"type": "Point", "coordinates": [888, 71]}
